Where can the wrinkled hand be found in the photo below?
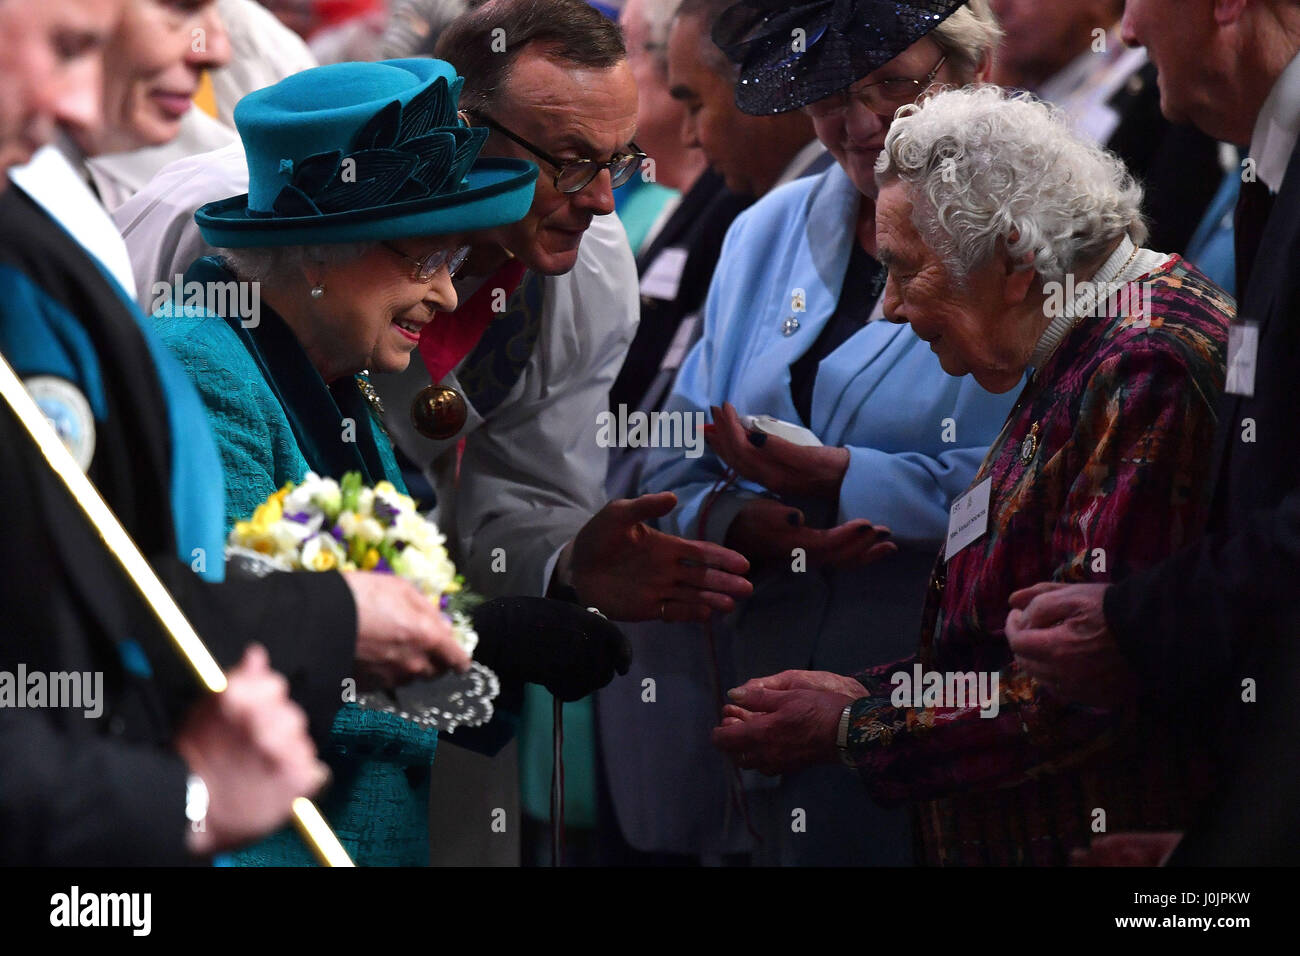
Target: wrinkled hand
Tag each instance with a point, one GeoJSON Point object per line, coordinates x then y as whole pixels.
{"type": "Point", "coordinates": [766, 529]}
{"type": "Point", "coordinates": [1127, 849]}
{"type": "Point", "coordinates": [634, 573]}
{"type": "Point", "coordinates": [1059, 635]}
{"type": "Point", "coordinates": [401, 634]}
{"type": "Point", "coordinates": [250, 745]}
{"type": "Point", "coordinates": [778, 731]}
{"type": "Point", "coordinates": [780, 466]}
{"type": "Point", "coordinates": [566, 648]}
{"type": "Point", "coordinates": [804, 680]}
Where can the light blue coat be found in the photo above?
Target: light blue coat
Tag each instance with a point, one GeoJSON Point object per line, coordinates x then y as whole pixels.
{"type": "Point", "coordinates": [915, 436]}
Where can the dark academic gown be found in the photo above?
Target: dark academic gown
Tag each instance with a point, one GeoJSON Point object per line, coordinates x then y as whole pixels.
{"type": "Point", "coordinates": [110, 790]}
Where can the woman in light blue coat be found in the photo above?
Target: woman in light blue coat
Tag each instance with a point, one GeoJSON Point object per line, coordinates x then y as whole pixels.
{"type": "Point", "coordinates": [793, 330]}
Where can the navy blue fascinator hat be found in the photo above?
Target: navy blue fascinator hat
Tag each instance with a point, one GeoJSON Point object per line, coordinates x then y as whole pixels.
{"type": "Point", "coordinates": [842, 41]}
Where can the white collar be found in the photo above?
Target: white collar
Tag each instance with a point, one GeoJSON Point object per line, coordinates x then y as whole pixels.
{"type": "Point", "coordinates": [1277, 128]}
{"type": "Point", "coordinates": [1126, 263]}
{"type": "Point", "coordinates": [810, 153]}
{"type": "Point", "coordinates": [57, 183]}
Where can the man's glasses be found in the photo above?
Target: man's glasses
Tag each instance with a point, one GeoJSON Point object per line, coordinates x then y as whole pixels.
{"type": "Point", "coordinates": [882, 98]}
{"type": "Point", "coordinates": [575, 175]}
{"type": "Point", "coordinates": [427, 268]}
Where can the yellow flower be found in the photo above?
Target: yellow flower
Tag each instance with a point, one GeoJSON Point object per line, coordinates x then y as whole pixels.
{"type": "Point", "coordinates": [267, 514]}
{"type": "Point", "coordinates": [247, 536]}
{"type": "Point", "coordinates": [370, 560]}
{"type": "Point", "coordinates": [323, 560]}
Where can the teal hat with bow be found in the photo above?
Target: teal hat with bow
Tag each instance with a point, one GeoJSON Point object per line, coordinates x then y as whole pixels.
{"type": "Point", "coordinates": [360, 152]}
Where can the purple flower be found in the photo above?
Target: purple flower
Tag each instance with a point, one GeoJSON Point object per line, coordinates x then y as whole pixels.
{"type": "Point", "coordinates": [383, 566]}
{"type": "Point", "coordinates": [337, 533]}
{"type": "Point", "coordinates": [444, 602]}
{"type": "Point", "coordinates": [299, 516]}
{"type": "Point", "coordinates": [384, 512]}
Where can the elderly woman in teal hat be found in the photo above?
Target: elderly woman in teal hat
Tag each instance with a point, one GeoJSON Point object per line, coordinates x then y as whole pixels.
{"type": "Point", "coordinates": [364, 192]}
{"type": "Point", "coordinates": [363, 187]}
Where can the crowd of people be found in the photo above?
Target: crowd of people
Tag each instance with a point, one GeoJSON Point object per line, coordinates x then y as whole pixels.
{"type": "Point", "coordinates": [956, 525]}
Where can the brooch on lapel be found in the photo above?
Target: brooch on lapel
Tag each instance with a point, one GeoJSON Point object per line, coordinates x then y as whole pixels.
{"type": "Point", "coordinates": [797, 304]}
{"type": "Point", "coordinates": [368, 392]}
{"type": "Point", "coordinates": [1029, 445]}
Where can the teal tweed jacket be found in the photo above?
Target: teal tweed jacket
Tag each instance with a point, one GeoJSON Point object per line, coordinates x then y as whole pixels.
{"type": "Point", "coordinates": [275, 419]}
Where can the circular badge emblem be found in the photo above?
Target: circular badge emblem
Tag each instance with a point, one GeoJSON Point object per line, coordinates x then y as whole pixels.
{"type": "Point", "coordinates": [68, 411]}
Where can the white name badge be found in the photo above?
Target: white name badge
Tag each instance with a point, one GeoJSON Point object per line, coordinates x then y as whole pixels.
{"type": "Point", "coordinates": [664, 276]}
{"type": "Point", "coordinates": [969, 518]}
{"type": "Point", "coordinates": [1243, 350]}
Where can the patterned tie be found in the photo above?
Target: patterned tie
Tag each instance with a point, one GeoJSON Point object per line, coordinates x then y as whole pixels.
{"type": "Point", "coordinates": [1254, 204]}
{"type": "Point", "coordinates": [490, 371]}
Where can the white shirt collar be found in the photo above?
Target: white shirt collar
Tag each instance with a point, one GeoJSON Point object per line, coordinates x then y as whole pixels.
{"type": "Point", "coordinates": [56, 180]}
{"type": "Point", "coordinates": [1277, 128]}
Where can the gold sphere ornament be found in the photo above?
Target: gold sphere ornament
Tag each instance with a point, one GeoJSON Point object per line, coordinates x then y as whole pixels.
{"type": "Point", "coordinates": [439, 412]}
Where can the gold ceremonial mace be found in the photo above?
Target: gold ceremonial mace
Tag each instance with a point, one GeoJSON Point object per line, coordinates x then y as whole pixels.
{"type": "Point", "coordinates": [310, 823]}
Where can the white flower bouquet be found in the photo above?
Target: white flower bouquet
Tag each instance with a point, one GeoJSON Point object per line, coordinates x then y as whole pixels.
{"type": "Point", "coordinates": [324, 525]}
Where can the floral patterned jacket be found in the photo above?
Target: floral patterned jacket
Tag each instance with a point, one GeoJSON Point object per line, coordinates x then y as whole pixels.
{"type": "Point", "coordinates": [1102, 469]}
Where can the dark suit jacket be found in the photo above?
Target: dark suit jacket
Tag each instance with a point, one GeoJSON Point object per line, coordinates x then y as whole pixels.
{"type": "Point", "coordinates": [1213, 615]}
{"type": "Point", "coordinates": [1177, 165]}
{"type": "Point", "coordinates": [110, 790]}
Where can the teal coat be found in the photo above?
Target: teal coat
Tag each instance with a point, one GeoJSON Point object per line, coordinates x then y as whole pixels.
{"type": "Point", "coordinates": [275, 419]}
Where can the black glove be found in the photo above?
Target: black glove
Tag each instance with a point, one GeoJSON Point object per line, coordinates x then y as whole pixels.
{"type": "Point", "coordinates": [568, 649]}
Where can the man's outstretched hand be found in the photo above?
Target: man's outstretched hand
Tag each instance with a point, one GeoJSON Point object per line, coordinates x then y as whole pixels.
{"type": "Point", "coordinates": [632, 572]}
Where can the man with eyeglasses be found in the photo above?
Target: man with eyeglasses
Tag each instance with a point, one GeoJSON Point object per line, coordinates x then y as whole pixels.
{"type": "Point", "coordinates": [520, 483]}
{"type": "Point", "coordinates": [531, 474]}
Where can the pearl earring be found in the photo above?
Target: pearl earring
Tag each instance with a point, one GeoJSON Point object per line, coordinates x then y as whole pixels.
{"type": "Point", "coordinates": [317, 291]}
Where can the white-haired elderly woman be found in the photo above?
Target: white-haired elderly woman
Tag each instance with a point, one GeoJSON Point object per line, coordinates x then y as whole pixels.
{"type": "Point", "coordinates": [1014, 247]}
{"type": "Point", "coordinates": [791, 330]}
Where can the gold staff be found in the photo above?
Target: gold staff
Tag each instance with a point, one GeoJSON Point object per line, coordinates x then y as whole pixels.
{"type": "Point", "coordinates": [308, 818]}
